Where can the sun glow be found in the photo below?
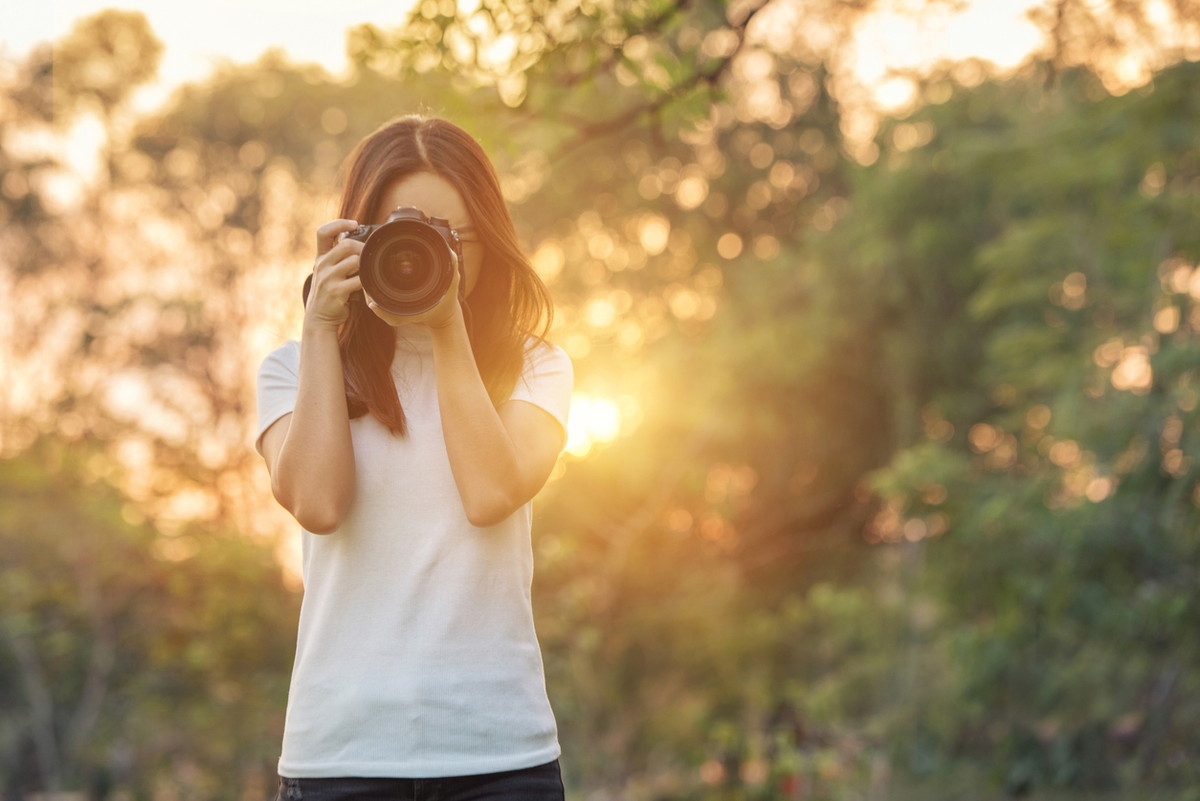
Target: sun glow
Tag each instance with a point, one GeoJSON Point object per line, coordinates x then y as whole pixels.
{"type": "Point", "coordinates": [594, 421]}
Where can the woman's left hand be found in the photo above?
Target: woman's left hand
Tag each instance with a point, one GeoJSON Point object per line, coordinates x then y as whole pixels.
{"type": "Point", "coordinates": [441, 315]}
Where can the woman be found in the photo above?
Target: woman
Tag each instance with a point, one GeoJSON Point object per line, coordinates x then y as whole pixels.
{"type": "Point", "coordinates": [409, 451]}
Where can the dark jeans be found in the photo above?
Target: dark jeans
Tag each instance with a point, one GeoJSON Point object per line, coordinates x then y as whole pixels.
{"type": "Point", "coordinates": [542, 783]}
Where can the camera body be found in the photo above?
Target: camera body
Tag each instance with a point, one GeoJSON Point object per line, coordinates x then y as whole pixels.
{"type": "Point", "coordinates": [407, 263]}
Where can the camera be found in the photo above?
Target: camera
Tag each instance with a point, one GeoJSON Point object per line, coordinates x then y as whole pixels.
{"type": "Point", "coordinates": [407, 263]}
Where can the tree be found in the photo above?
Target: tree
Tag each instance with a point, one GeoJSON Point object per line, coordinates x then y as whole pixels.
{"type": "Point", "coordinates": [122, 650]}
{"type": "Point", "coordinates": [1055, 424]}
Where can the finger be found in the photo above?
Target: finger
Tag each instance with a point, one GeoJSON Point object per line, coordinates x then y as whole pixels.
{"type": "Point", "coordinates": [335, 298]}
{"type": "Point", "coordinates": [337, 265]}
{"type": "Point", "coordinates": [329, 233]}
{"type": "Point", "coordinates": [390, 319]}
{"type": "Point", "coordinates": [346, 267]}
{"type": "Point", "coordinates": [347, 247]}
{"type": "Point", "coordinates": [340, 250]}
{"type": "Point", "coordinates": [337, 283]}
{"type": "Point", "coordinates": [441, 313]}
{"type": "Point", "coordinates": [348, 286]}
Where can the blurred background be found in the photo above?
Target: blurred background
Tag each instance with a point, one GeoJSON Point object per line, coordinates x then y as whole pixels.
{"type": "Point", "coordinates": [885, 314]}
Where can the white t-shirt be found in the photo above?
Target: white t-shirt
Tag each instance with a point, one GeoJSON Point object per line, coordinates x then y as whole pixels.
{"type": "Point", "coordinates": [416, 654]}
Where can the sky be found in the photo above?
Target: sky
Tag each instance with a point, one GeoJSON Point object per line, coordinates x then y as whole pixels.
{"type": "Point", "coordinates": [198, 35]}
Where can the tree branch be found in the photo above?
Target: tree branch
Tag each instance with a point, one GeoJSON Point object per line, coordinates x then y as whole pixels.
{"type": "Point", "coordinates": [710, 76]}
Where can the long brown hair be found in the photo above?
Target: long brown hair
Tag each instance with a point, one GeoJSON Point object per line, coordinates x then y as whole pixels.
{"type": "Point", "coordinates": [509, 302]}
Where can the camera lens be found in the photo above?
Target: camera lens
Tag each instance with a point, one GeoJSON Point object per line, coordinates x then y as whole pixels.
{"type": "Point", "coordinates": [406, 267]}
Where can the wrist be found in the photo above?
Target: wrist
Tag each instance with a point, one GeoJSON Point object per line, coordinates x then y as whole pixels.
{"type": "Point", "coordinates": [449, 325]}
{"type": "Point", "coordinates": [319, 328]}
{"type": "Point", "coordinates": [449, 321]}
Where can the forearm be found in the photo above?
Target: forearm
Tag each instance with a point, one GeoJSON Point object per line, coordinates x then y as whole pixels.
{"type": "Point", "coordinates": [314, 474]}
{"type": "Point", "coordinates": [483, 459]}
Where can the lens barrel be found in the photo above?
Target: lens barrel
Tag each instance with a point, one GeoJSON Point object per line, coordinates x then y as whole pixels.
{"type": "Point", "coordinates": [407, 264]}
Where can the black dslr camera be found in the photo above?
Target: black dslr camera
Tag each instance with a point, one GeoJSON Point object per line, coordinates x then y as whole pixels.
{"type": "Point", "coordinates": [407, 263]}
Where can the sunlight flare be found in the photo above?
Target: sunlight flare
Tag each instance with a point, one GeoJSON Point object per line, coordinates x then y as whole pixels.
{"type": "Point", "coordinates": [594, 421]}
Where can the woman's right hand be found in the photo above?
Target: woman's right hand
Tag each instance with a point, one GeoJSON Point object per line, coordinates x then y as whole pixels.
{"type": "Point", "coordinates": [335, 275]}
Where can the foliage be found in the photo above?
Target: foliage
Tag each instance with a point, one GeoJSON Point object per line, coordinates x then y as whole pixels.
{"type": "Point", "coordinates": [1057, 443]}
{"type": "Point", "coordinates": [131, 659]}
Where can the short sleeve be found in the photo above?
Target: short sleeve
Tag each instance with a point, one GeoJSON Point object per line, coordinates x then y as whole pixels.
{"type": "Point", "coordinates": [278, 378]}
{"type": "Point", "coordinates": [547, 381]}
